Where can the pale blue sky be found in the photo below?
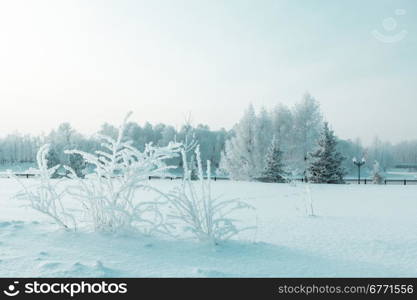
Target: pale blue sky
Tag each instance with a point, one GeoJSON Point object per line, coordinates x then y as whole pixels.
{"type": "Point", "coordinates": [88, 62]}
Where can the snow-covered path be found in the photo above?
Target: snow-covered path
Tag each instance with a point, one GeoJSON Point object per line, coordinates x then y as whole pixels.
{"type": "Point", "coordinates": [359, 231]}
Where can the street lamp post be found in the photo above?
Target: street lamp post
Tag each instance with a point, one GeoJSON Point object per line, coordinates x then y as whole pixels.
{"type": "Point", "coordinates": [359, 164]}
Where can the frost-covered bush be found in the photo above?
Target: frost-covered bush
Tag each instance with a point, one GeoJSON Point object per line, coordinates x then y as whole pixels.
{"type": "Point", "coordinates": [377, 177]}
{"type": "Point", "coordinates": [45, 195]}
{"type": "Point", "coordinates": [109, 196]}
{"type": "Point", "coordinates": [112, 195]}
{"type": "Point", "coordinates": [196, 210]}
{"type": "Point", "coordinates": [77, 163]}
{"type": "Point", "coordinates": [52, 160]}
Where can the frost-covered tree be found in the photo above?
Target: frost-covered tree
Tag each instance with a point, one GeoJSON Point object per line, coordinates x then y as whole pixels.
{"type": "Point", "coordinates": [188, 139]}
{"type": "Point", "coordinates": [380, 151]}
{"type": "Point", "coordinates": [218, 146]}
{"type": "Point", "coordinates": [62, 139]}
{"type": "Point", "coordinates": [263, 137]}
{"type": "Point", "coordinates": [406, 152]}
{"type": "Point", "coordinates": [377, 177]}
{"type": "Point", "coordinates": [134, 133]}
{"type": "Point", "coordinates": [326, 161]}
{"type": "Point", "coordinates": [110, 130]}
{"type": "Point", "coordinates": [148, 133]}
{"type": "Point", "coordinates": [239, 157]}
{"type": "Point", "coordinates": [283, 129]}
{"type": "Point", "coordinates": [308, 121]}
{"type": "Point", "coordinates": [274, 166]}
{"type": "Point", "coordinates": [16, 148]}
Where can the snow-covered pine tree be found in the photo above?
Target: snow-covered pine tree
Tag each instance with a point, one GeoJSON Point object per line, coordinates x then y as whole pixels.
{"type": "Point", "coordinates": [377, 177]}
{"type": "Point", "coordinates": [274, 166]}
{"type": "Point", "coordinates": [326, 162]}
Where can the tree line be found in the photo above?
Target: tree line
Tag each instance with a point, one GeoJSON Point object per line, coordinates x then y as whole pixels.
{"type": "Point", "coordinates": [284, 142]}
{"type": "Point", "coordinates": [296, 134]}
{"type": "Point", "coordinates": [241, 152]}
{"type": "Point", "coordinates": [16, 149]}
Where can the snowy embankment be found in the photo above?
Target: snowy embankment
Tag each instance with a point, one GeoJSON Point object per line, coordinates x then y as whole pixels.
{"type": "Point", "coordinates": [359, 231]}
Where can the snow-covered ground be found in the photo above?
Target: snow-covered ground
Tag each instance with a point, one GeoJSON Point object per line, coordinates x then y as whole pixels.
{"type": "Point", "coordinates": [359, 230]}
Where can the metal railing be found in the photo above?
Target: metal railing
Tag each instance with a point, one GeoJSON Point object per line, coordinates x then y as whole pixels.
{"type": "Point", "coordinates": [215, 178]}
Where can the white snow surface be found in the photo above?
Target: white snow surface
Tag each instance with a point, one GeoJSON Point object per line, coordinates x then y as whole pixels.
{"type": "Point", "coordinates": [359, 231]}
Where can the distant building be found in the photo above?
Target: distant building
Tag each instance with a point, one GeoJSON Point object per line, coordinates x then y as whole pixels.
{"type": "Point", "coordinates": [408, 166]}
